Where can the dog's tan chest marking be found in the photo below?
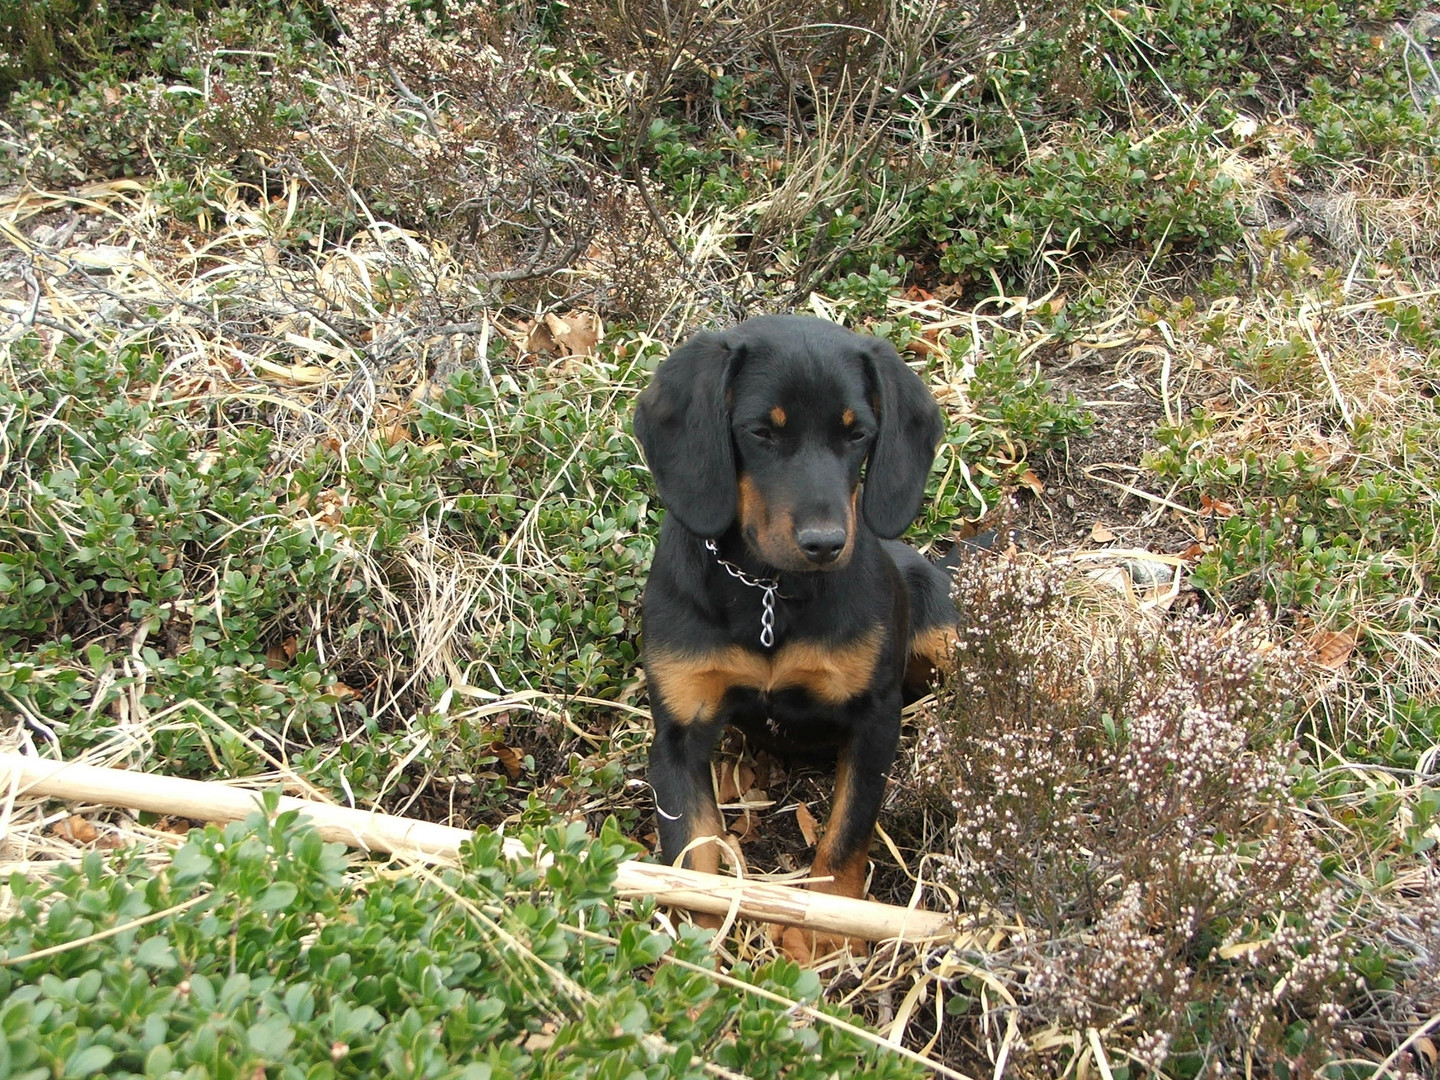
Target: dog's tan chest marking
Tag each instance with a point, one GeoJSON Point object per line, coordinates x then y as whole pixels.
{"type": "Point", "coordinates": [692, 686]}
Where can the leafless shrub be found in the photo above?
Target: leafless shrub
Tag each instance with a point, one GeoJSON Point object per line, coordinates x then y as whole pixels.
{"type": "Point", "coordinates": [842, 87]}
{"type": "Point", "coordinates": [470, 142]}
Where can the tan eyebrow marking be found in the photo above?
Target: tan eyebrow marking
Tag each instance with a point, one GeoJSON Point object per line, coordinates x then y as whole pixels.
{"type": "Point", "coordinates": [777, 416]}
{"type": "Point", "coordinates": [847, 417]}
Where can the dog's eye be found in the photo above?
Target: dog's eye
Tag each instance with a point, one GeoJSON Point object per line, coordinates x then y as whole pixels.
{"type": "Point", "coordinates": [764, 434]}
{"type": "Point", "coordinates": [859, 435]}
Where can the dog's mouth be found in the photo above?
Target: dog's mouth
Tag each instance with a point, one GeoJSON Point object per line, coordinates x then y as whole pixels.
{"type": "Point", "coordinates": [822, 555]}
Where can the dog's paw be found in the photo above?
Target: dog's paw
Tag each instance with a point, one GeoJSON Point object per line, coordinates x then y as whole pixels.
{"type": "Point", "coordinates": [808, 947]}
{"type": "Point", "coordinates": [706, 920]}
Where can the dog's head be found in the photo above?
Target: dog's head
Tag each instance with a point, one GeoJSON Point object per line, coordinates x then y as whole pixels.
{"type": "Point", "coordinates": [772, 423]}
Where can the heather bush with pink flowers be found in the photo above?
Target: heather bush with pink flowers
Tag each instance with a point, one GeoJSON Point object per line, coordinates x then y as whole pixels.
{"type": "Point", "coordinates": [1123, 801]}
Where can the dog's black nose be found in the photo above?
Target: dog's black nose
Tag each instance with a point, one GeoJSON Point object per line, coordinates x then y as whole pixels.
{"type": "Point", "coordinates": [821, 544]}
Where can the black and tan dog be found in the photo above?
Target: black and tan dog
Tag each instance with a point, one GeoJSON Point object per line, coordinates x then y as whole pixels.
{"type": "Point", "coordinates": [773, 603]}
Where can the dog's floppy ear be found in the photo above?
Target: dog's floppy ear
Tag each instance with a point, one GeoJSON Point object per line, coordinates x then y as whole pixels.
{"type": "Point", "coordinates": [910, 426]}
{"type": "Point", "coordinates": [683, 423]}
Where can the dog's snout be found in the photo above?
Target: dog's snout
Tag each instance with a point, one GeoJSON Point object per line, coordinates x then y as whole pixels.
{"type": "Point", "coordinates": [821, 543]}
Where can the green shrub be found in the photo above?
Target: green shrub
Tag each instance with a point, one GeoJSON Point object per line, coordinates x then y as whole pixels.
{"type": "Point", "coordinates": [1013, 420]}
{"type": "Point", "coordinates": [233, 567]}
{"type": "Point", "coordinates": [175, 91]}
{"type": "Point", "coordinates": [268, 958]}
{"type": "Point", "coordinates": [1158, 195]}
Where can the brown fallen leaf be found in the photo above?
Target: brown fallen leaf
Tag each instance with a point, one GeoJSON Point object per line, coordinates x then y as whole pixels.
{"type": "Point", "coordinates": [744, 777]}
{"type": "Point", "coordinates": [727, 787]}
{"type": "Point", "coordinates": [78, 829]}
{"type": "Point", "coordinates": [333, 506]}
{"type": "Point", "coordinates": [762, 770]}
{"type": "Point", "coordinates": [745, 825]}
{"type": "Point", "coordinates": [1191, 523]}
{"type": "Point", "coordinates": [577, 333]}
{"type": "Point", "coordinates": [1218, 507]}
{"type": "Point", "coordinates": [278, 656]}
{"type": "Point", "coordinates": [1425, 1047]}
{"type": "Point", "coordinates": [921, 347]}
{"type": "Point", "coordinates": [542, 1039]}
{"type": "Point", "coordinates": [967, 530]}
{"type": "Point", "coordinates": [510, 760]}
{"type": "Point", "coordinates": [425, 390]}
{"type": "Point", "coordinates": [809, 827]}
{"type": "Point", "coordinates": [1100, 533]}
{"type": "Point", "coordinates": [1331, 649]}
{"type": "Point", "coordinates": [539, 339]}
{"type": "Point", "coordinates": [1034, 483]}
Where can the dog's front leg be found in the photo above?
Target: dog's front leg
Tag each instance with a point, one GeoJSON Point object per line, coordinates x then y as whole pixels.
{"type": "Point", "coordinates": [861, 771]}
{"type": "Point", "coordinates": [685, 807]}
{"type": "Point", "coordinates": [860, 775]}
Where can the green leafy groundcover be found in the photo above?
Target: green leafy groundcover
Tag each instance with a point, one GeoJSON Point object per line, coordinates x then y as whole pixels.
{"type": "Point", "coordinates": [270, 958]}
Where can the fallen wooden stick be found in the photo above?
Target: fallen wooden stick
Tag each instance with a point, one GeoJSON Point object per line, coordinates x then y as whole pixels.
{"type": "Point", "coordinates": [373, 831]}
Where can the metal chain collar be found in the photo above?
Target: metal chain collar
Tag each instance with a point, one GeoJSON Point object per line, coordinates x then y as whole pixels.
{"type": "Point", "coordinates": [767, 602]}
